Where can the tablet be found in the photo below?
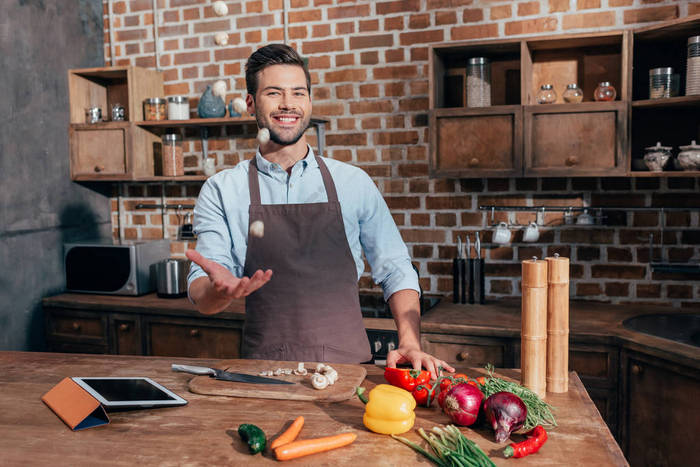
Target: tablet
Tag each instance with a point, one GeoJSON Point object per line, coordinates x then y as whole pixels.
{"type": "Point", "coordinates": [129, 392]}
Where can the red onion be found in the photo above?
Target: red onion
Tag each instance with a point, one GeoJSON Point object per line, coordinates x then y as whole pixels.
{"type": "Point", "coordinates": [506, 413]}
{"type": "Point", "coordinates": [462, 403]}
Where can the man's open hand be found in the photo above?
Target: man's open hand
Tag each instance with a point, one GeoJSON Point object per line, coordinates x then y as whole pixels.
{"type": "Point", "coordinates": [225, 283]}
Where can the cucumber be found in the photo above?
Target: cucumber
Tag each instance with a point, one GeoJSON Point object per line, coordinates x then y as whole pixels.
{"type": "Point", "coordinates": [254, 436]}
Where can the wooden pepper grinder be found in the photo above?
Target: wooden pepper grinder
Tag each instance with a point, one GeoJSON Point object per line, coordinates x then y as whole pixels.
{"type": "Point", "coordinates": [557, 324]}
{"type": "Point", "coordinates": [533, 344]}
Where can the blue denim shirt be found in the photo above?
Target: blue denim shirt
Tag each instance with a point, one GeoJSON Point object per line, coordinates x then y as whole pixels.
{"type": "Point", "coordinates": [221, 217]}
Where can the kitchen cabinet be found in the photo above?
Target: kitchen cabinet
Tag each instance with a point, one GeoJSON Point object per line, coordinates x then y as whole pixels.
{"type": "Point", "coordinates": [661, 413]}
{"type": "Point", "coordinates": [472, 350]}
{"type": "Point", "coordinates": [178, 337]}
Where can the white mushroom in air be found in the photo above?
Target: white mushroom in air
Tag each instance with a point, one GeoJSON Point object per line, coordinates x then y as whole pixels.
{"type": "Point", "coordinates": [239, 105]}
{"type": "Point", "coordinates": [219, 88]}
{"type": "Point", "coordinates": [220, 8]}
{"type": "Point", "coordinates": [221, 38]}
{"type": "Point", "coordinates": [263, 135]}
{"type": "Point", "coordinates": [257, 229]}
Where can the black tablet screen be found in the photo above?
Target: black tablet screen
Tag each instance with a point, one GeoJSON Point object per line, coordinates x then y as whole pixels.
{"type": "Point", "coordinates": [116, 390]}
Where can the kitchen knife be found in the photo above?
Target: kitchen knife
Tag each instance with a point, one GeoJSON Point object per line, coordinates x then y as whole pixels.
{"type": "Point", "coordinates": [225, 375]}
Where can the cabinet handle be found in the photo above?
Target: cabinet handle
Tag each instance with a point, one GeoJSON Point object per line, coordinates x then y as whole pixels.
{"type": "Point", "coordinates": [473, 162]}
{"type": "Point", "coordinates": [571, 161]}
{"type": "Point", "coordinates": [99, 168]}
{"type": "Point", "coordinates": [462, 356]}
{"type": "Point", "coordinates": [123, 327]}
{"type": "Point", "coordinates": [76, 326]}
{"type": "Point", "coordinates": [194, 332]}
{"type": "Point", "coordinates": [637, 369]}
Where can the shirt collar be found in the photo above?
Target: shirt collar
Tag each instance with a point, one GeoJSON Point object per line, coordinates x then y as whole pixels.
{"type": "Point", "coordinates": [266, 166]}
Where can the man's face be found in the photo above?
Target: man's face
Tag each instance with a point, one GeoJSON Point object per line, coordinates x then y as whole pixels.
{"type": "Point", "coordinates": [282, 103]}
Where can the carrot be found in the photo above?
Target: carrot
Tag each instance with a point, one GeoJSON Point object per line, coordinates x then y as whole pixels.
{"type": "Point", "coordinates": [312, 446]}
{"type": "Point", "coordinates": [290, 434]}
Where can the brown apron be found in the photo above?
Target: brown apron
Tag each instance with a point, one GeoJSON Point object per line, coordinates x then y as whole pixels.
{"type": "Point", "coordinates": [310, 309]}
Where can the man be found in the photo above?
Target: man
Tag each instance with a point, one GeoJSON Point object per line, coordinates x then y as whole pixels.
{"type": "Point", "coordinates": [286, 230]}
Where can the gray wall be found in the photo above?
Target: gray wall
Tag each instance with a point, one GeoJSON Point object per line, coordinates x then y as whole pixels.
{"type": "Point", "coordinates": [40, 207]}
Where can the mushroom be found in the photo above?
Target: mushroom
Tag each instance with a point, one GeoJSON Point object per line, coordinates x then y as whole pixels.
{"type": "Point", "coordinates": [239, 105]}
{"type": "Point", "coordinates": [220, 8]}
{"type": "Point", "coordinates": [257, 229]}
{"type": "Point", "coordinates": [219, 88]}
{"type": "Point", "coordinates": [263, 136]}
{"type": "Point", "coordinates": [319, 381]}
{"type": "Point", "coordinates": [221, 38]}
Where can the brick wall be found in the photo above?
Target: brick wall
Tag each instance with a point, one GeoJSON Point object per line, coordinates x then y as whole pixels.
{"type": "Point", "coordinates": [369, 65]}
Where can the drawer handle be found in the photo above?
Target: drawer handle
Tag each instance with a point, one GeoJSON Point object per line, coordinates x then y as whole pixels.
{"type": "Point", "coordinates": [571, 161]}
{"type": "Point", "coordinates": [194, 332]}
{"type": "Point", "coordinates": [462, 356]}
{"type": "Point", "coordinates": [99, 168]}
{"type": "Point", "coordinates": [473, 162]}
{"type": "Point", "coordinates": [637, 370]}
{"type": "Point", "coordinates": [76, 326]}
{"type": "Point", "coordinates": [123, 327]}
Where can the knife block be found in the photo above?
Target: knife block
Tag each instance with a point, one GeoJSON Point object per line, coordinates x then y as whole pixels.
{"type": "Point", "coordinates": [75, 406]}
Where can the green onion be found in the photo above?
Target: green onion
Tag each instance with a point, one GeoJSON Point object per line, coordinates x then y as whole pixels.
{"type": "Point", "coordinates": [450, 447]}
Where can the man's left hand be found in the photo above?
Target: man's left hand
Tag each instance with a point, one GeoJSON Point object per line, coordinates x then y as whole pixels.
{"type": "Point", "coordinates": [418, 359]}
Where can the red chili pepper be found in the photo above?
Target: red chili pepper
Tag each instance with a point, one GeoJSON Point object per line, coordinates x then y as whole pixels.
{"type": "Point", "coordinates": [537, 437]}
{"type": "Point", "coordinates": [406, 378]}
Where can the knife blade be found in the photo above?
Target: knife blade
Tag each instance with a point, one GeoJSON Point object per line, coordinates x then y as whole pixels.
{"type": "Point", "coordinates": [226, 375]}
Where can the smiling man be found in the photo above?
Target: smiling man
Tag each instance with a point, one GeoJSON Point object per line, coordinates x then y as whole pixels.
{"type": "Point", "coordinates": [287, 230]}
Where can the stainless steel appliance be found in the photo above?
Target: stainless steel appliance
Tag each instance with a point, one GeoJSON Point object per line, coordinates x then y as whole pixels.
{"type": "Point", "coordinates": [171, 277]}
{"type": "Point", "coordinates": [105, 267]}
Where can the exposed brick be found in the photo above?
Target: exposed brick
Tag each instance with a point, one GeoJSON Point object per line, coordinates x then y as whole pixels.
{"type": "Point", "coordinates": [395, 89]}
{"type": "Point", "coordinates": [371, 41]}
{"type": "Point", "coordinates": [679, 291]}
{"type": "Point", "coordinates": [677, 200]}
{"type": "Point", "coordinates": [323, 46]}
{"type": "Point", "coordinates": [304, 16]}
{"type": "Point", "coordinates": [588, 288]}
{"type": "Point", "coordinates": [472, 15]}
{"type": "Point", "coordinates": [531, 26]}
{"type": "Point", "coordinates": [386, 8]}
{"type": "Point", "coordinates": [528, 8]}
{"type": "Point", "coordinates": [255, 21]}
{"type": "Point", "coordinates": [445, 219]}
{"type": "Point", "coordinates": [587, 4]}
{"type": "Point", "coordinates": [587, 236]}
{"type": "Point", "coordinates": [448, 202]}
{"type": "Point", "coordinates": [442, 267]}
{"type": "Point", "coordinates": [619, 254]}
{"type": "Point", "coordinates": [693, 8]}
{"type": "Point", "coordinates": [647, 183]}
{"type": "Point", "coordinates": [648, 290]}
{"type": "Point", "coordinates": [554, 184]}
{"type": "Point", "coordinates": [618, 3]}
{"type": "Point", "coordinates": [192, 57]}
{"type": "Point", "coordinates": [474, 32]}
{"type": "Point", "coordinates": [344, 155]}
{"type": "Point", "coordinates": [413, 170]}
{"type": "Point", "coordinates": [526, 252]}
{"type": "Point", "coordinates": [212, 26]}
{"type": "Point", "coordinates": [437, 4]}
{"type": "Point", "coordinates": [420, 220]}
{"type": "Point", "coordinates": [589, 20]}
{"type": "Point", "coordinates": [347, 139]}
{"type": "Point", "coordinates": [627, 199]}
{"type": "Point", "coordinates": [423, 236]}
{"type": "Point", "coordinates": [402, 202]}
{"type": "Point", "coordinates": [231, 53]}
{"type": "Point", "coordinates": [378, 170]}
{"type": "Point", "coordinates": [690, 237]}
{"type": "Point", "coordinates": [644, 15]}
{"type": "Point", "coordinates": [330, 108]}
{"type": "Point", "coordinates": [418, 186]}
{"type": "Point", "coordinates": [344, 60]}
{"type": "Point", "coordinates": [393, 24]}
{"type": "Point", "coordinates": [418, 103]}
{"type": "Point", "coordinates": [422, 251]}
{"type": "Point", "coordinates": [371, 123]}
{"type": "Point", "coordinates": [365, 107]}
{"type": "Point", "coordinates": [369, 25]}
{"type": "Point", "coordinates": [445, 17]}
{"type": "Point", "coordinates": [680, 255]}
{"type": "Point", "coordinates": [675, 183]}
{"type": "Point", "coordinates": [400, 72]}
{"type": "Point", "coordinates": [646, 219]}
{"type": "Point", "coordinates": [353, 11]}
{"type": "Point", "coordinates": [638, 236]}
{"type": "Point", "coordinates": [501, 253]}
{"type": "Point", "coordinates": [503, 269]}
{"type": "Point", "coordinates": [320, 30]}
{"type": "Point", "coordinates": [130, 35]}
{"type": "Point", "coordinates": [443, 186]}
{"type": "Point", "coordinates": [295, 32]}
{"type": "Point", "coordinates": [347, 27]}
{"type": "Point", "coordinates": [615, 271]}
{"type": "Point", "coordinates": [369, 90]}
{"type": "Point", "coordinates": [419, 21]}
{"type": "Point", "coordinates": [501, 12]}
{"type": "Point", "coordinates": [354, 75]}
{"type": "Point", "coordinates": [421, 37]}
{"type": "Point", "coordinates": [617, 289]}
{"type": "Point", "coordinates": [369, 58]}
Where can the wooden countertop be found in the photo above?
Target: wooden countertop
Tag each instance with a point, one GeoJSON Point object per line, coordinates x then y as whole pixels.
{"type": "Point", "coordinates": [204, 431]}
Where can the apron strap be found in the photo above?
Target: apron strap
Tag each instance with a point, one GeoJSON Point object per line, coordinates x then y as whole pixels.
{"type": "Point", "coordinates": [254, 186]}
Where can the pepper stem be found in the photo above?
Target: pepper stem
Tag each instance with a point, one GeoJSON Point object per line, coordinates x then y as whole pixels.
{"type": "Point", "coordinates": [360, 391]}
{"type": "Point", "coordinates": [509, 451]}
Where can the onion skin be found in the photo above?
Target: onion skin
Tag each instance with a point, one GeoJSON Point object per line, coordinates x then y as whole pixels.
{"type": "Point", "coordinates": [506, 413]}
{"type": "Point", "coordinates": [462, 404]}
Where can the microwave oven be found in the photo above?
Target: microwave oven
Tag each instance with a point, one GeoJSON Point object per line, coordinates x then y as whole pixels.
{"type": "Point", "coordinates": [106, 267]}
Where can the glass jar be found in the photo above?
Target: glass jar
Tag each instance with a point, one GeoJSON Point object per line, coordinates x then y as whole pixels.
{"type": "Point", "coordinates": [689, 157]}
{"type": "Point", "coordinates": [692, 73]}
{"type": "Point", "coordinates": [93, 115]}
{"type": "Point", "coordinates": [178, 108]}
{"type": "Point", "coordinates": [478, 82]}
{"type": "Point", "coordinates": [573, 94]}
{"type": "Point", "coordinates": [547, 94]}
{"type": "Point", "coordinates": [656, 157]}
{"type": "Point", "coordinates": [663, 83]}
{"type": "Point", "coordinates": [154, 109]}
{"type": "Point", "coordinates": [605, 92]}
{"type": "Point", "coordinates": [173, 159]}
{"type": "Point", "coordinates": [118, 113]}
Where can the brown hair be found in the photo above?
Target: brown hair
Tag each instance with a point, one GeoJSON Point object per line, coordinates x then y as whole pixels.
{"type": "Point", "coordinates": [273, 54]}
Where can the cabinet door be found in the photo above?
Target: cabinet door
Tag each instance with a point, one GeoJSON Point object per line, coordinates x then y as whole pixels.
{"type": "Point", "coordinates": [662, 416]}
{"type": "Point", "coordinates": [75, 331]}
{"type": "Point", "coordinates": [192, 338]}
{"type": "Point", "coordinates": [99, 151]}
{"type": "Point", "coordinates": [479, 142]}
{"type": "Point", "coordinates": [469, 350]}
{"type": "Point", "coordinates": [596, 365]}
{"type": "Point", "coordinates": [583, 139]}
{"type": "Point", "coordinates": [126, 335]}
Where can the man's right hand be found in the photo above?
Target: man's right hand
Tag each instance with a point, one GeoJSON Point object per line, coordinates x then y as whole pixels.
{"type": "Point", "coordinates": [223, 287]}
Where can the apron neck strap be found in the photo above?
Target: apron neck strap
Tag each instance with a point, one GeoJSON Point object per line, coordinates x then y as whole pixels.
{"type": "Point", "coordinates": [254, 186]}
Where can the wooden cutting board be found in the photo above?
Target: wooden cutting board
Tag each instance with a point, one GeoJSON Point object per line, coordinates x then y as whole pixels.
{"type": "Point", "coordinates": [349, 377]}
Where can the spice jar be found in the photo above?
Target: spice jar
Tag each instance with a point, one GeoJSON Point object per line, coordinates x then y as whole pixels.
{"type": "Point", "coordinates": [93, 115]}
{"type": "Point", "coordinates": [689, 157]}
{"type": "Point", "coordinates": [656, 157]}
{"type": "Point", "coordinates": [478, 82]}
{"type": "Point", "coordinates": [605, 92]}
{"type": "Point", "coordinates": [173, 160]}
{"type": "Point", "coordinates": [573, 94]}
{"type": "Point", "coordinates": [178, 108]}
{"type": "Point", "coordinates": [692, 73]}
{"type": "Point", "coordinates": [154, 109]}
{"type": "Point", "coordinates": [663, 83]}
{"type": "Point", "coordinates": [546, 94]}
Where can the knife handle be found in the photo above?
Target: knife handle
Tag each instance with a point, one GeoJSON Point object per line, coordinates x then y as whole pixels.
{"type": "Point", "coordinates": [195, 370]}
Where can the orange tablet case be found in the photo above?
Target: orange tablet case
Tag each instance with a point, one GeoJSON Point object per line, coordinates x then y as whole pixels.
{"type": "Point", "coordinates": [75, 406]}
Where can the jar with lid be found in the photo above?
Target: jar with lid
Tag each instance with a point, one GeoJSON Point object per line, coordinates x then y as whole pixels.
{"type": "Point", "coordinates": [154, 108]}
{"type": "Point", "coordinates": [663, 83]}
{"type": "Point", "coordinates": [605, 92]}
{"type": "Point", "coordinates": [573, 94]}
{"type": "Point", "coordinates": [178, 108]}
{"type": "Point", "coordinates": [689, 157]}
{"type": "Point", "coordinates": [478, 82]}
{"type": "Point", "coordinates": [173, 159]}
{"type": "Point", "coordinates": [546, 94]}
{"type": "Point", "coordinates": [656, 157]}
{"type": "Point", "coordinates": [692, 73]}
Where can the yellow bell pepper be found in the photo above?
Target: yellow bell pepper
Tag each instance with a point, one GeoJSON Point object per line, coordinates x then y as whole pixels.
{"type": "Point", "coordinates": [389, 410]}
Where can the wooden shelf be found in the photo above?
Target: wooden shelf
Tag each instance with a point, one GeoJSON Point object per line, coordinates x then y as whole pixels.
{"type": "Point", "coordinates": [182, 178]}
{"type": "Point", "coordinates": [680, 101]}
{"type": "Point", "coordinates": [665, 174]}
{"type": "Point", "coordinates": [160, 126]}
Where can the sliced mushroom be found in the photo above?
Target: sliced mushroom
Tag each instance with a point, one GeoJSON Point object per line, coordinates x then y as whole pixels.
{"type": "Point", "coordinates": [319, 381]}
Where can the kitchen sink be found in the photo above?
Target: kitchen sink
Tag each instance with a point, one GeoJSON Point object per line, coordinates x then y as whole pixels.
{"type": "Point", "coordinates": [683, 328]}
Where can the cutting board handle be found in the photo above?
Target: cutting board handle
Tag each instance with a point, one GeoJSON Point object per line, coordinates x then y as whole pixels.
{"type": "Point", "coordinates": [195, 370]}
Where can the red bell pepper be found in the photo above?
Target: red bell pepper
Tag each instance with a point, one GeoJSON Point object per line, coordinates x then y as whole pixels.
{"type": "Point", "coordinates": [406, 378]}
